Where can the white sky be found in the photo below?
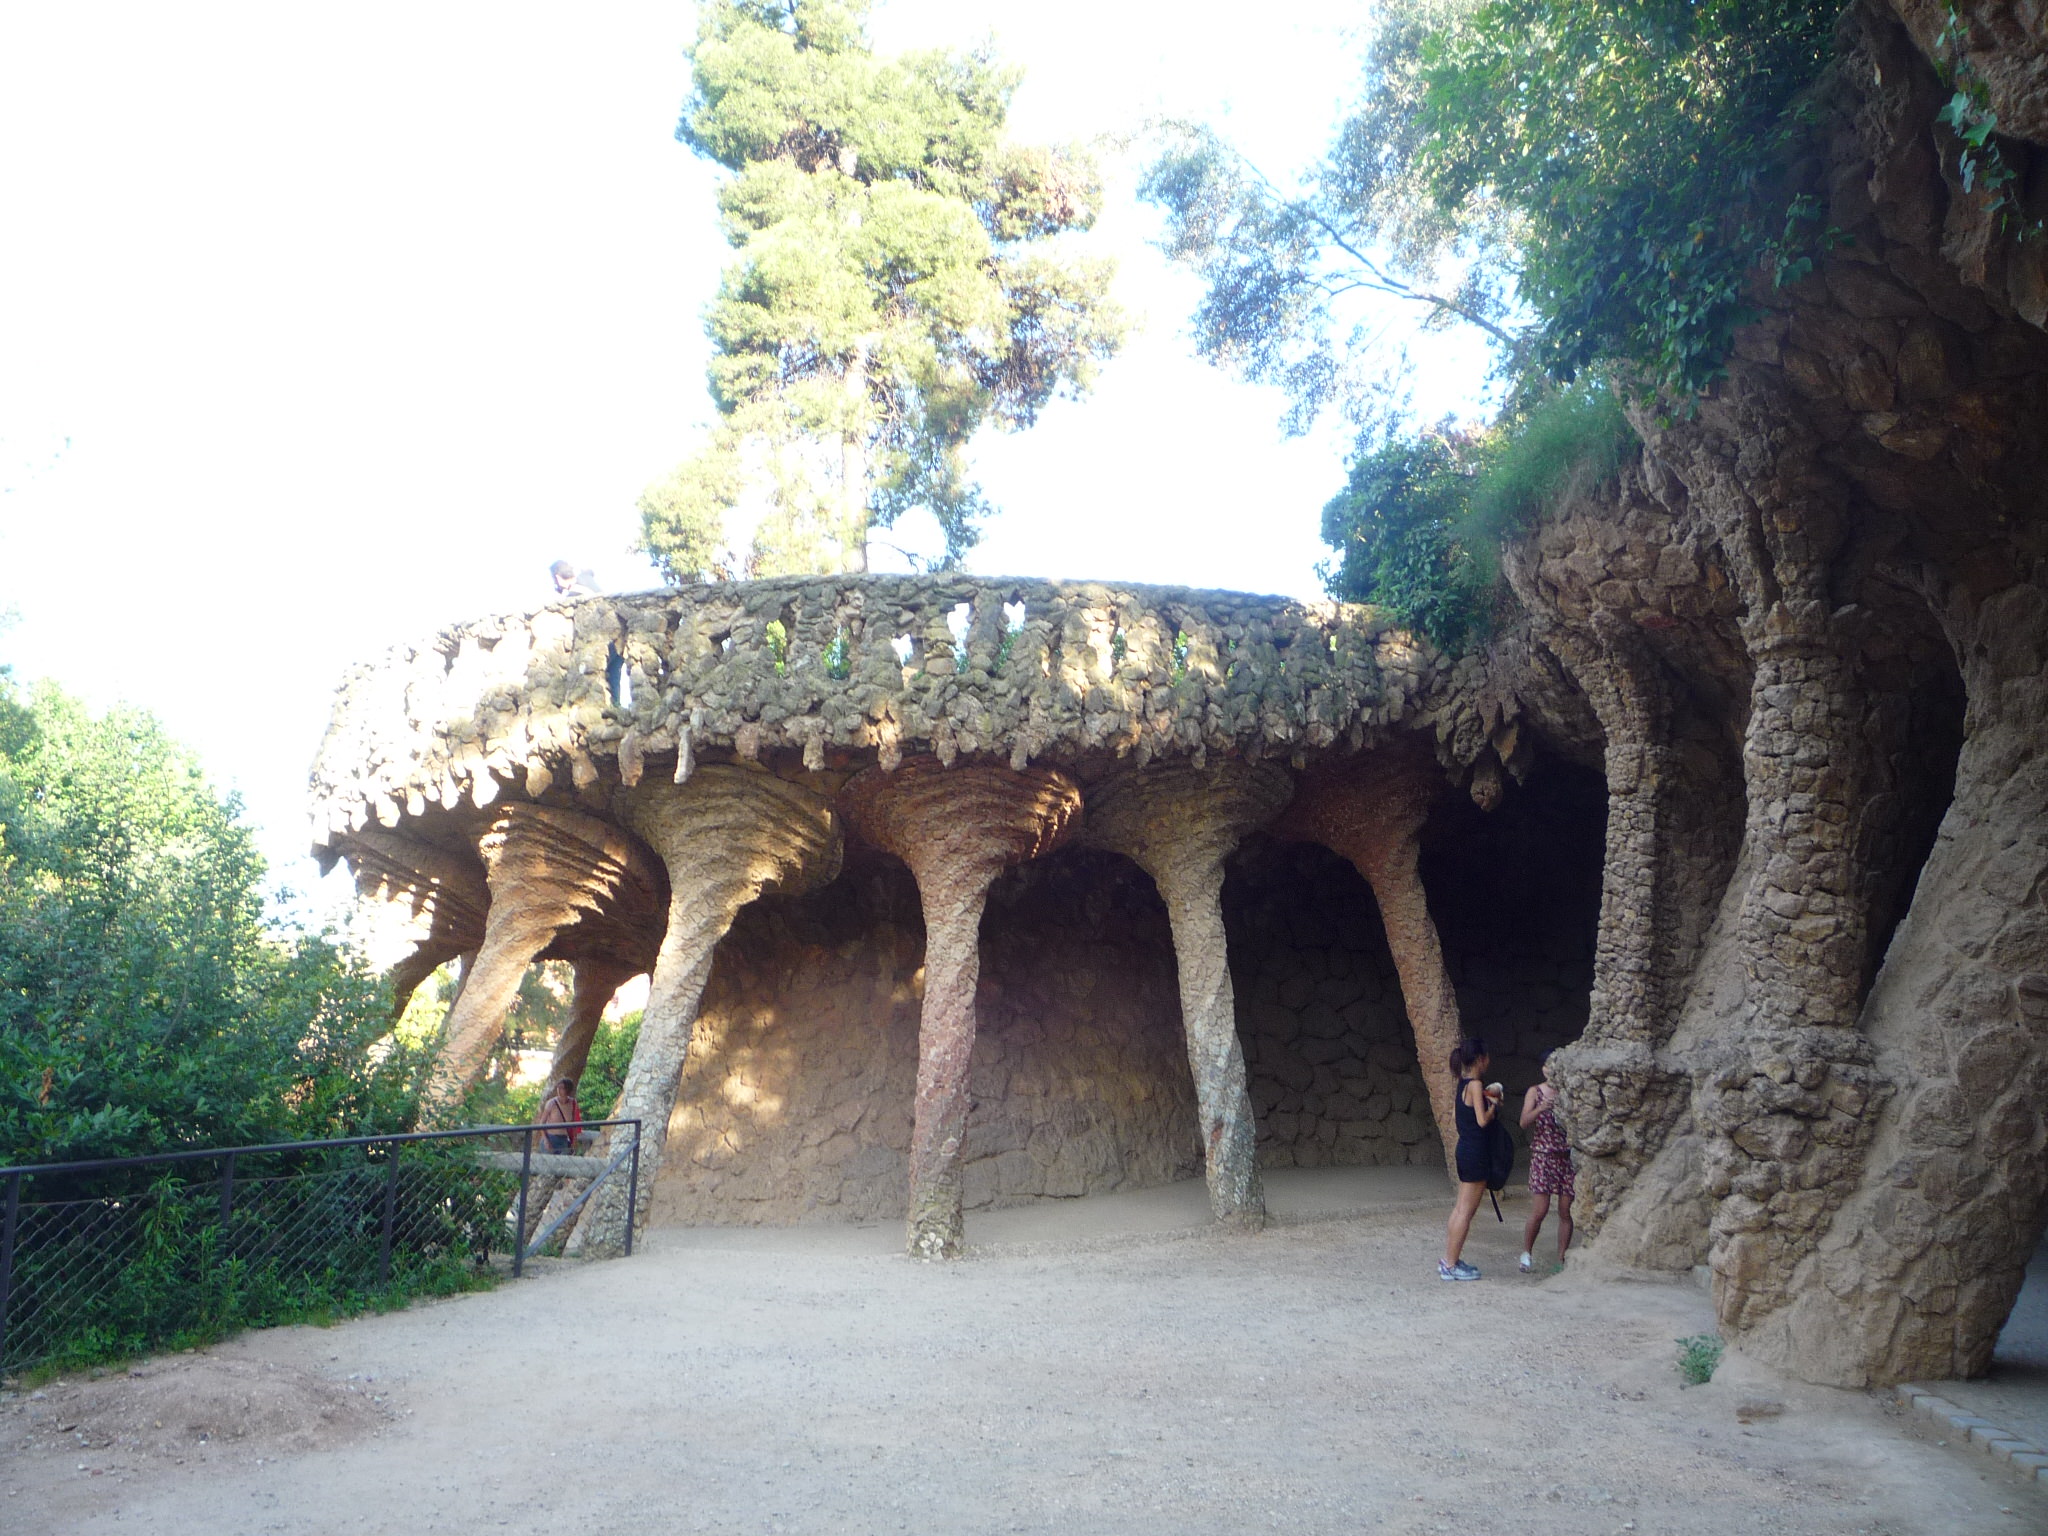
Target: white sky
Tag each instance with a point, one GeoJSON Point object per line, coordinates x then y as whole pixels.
{"type": "Point", "coordinates": [356, 319]}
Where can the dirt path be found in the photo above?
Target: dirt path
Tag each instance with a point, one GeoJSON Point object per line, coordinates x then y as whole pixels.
{"type": "Point", "coordinates": [1314, 1378]}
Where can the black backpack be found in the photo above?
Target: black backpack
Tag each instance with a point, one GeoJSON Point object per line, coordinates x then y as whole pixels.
{"type": "Point", "coordinates": [1500, 1159]}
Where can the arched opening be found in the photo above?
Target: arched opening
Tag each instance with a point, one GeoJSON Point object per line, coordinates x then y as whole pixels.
{"type": "Point", "coordinates": [1515, 893]}
{"type": "Point", "coordinates": [1329, 1057]}
{"type": "Point", "coordinates": [797, 1096]}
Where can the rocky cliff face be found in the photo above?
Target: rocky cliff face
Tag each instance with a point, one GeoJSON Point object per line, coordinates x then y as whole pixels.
{"type": "Point", "coordinates": [1810, 624]}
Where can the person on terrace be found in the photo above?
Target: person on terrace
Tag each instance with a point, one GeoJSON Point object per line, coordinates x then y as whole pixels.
{"type": "Point", "coordinates": [568, 584]}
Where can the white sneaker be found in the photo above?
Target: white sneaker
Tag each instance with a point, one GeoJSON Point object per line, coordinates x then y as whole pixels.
{"type": "Point", "coordinates": [1528, 1264]}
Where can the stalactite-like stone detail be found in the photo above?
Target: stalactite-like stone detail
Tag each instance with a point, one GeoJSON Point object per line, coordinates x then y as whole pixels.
{"type": "Point", "coordinates": [726, 836]}
{"type": "Point", "coordinates": [1198, 673]}
{"type": "Point", "coordinates": [1370, 809]}
{"type": "Point", "coordinates": [439, 898]}
{"type": "Point", "coordinates": [549, 870]}
{"type": "Point", "coordinates": [1179, 824]}
{"type": "Point", "coordinates": [957, 829]}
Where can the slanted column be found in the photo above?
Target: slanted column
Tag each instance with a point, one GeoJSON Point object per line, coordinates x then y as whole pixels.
{"type": "Point", "coordinates": [1179, 824]}
{"type": "Point", "coordinates": [957, 829]}
{"type": "Point", "coordinates": [727, 834]}
{"type": "Point", "coordinates": [596, 979]}
{"type": "Point", "coordinates": [548, 869]}
{"type": "Point", "coordinates": [432, 901]}
{"type": "Point", "coordinates": [1371, 809]}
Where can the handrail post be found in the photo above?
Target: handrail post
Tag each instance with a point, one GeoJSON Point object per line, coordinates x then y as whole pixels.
{"type": "Point", "coordinates": [7, 1222]}
{"type": "Point", "coordinates": [227, 1193]}
{"type": "Point", "coordinates": [519, 1223]}
{"type": "Point", "coordinates": [390, 1208]}
{"type": "Point", "coordinates": [633, 1190]}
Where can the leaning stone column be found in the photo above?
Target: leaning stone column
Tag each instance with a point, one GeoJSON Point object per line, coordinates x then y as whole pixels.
{"type": "Point", "coordinates": [1371, 809]}
{"type": "Point", "coordinates": [727, 835]}
{"type": "Point", "coordinates": [957, 829]}
{"type": "Point", "coordinates": [1179, 824]}
{"type": "Point", "coordinates": [547, 868]}
{"type": "Point", "coordinates": [596, 980]}
{"type": "Point", "coordinates": [432, 903]}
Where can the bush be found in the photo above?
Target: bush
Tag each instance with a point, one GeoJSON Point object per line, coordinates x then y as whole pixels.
{"type": "Point", "coordinates": [101, 1276]}
{"type": "Point", "coordinates": [1418, 529]}
{"type": "Point", "coordinates": [146, 1002]}
{"type": "Point", "coordinates": [1698, 1356]}
{"type": "Point", "coordinates": [605, 1073]}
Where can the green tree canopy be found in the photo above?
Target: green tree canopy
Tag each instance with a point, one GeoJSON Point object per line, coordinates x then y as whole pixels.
{"type": "Point", "coordinates": [1600, 186]}
{"type": "Point", "coordinates": [1586, 181]}
{"type": "Point", "coordinates": [145, 1001]}
{"type": "Point", "coordinates": [900, 284]}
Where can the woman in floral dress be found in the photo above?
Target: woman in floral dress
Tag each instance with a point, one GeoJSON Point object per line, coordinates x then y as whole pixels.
{"type": "Point", "coordinates": [1550, 1168]}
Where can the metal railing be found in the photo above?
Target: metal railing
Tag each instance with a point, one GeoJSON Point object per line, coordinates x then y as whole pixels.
{"type": "Point", "coordinates": [117, 1256]}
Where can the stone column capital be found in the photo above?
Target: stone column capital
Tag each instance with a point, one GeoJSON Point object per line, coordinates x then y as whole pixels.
{"type": "Point", "coordinates": [977, 819]}
{"type": "Point", "coordinates": [1370, 807]}
{"type": "Point", "coordinates": [1177, 817]}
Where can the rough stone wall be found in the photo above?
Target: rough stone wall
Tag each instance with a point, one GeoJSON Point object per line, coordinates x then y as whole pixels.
{"type": "Point", "coordinates": [1859, 1163]}
{"type": "Point", "coordinates": [796, 1098]}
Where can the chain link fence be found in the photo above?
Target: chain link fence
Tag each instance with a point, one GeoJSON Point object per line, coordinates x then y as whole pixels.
{"type": "Point", "coordinates": [103, 1260]}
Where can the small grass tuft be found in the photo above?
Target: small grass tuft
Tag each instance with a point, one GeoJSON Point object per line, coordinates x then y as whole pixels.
{"type": "Point", "coordinates": [1698, 1355]}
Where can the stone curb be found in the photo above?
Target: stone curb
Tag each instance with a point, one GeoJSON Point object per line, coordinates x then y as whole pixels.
{"type": "Point", "coordinates": [2027, 1459]}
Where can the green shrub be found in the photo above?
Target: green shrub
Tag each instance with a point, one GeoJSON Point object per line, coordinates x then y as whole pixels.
{"type": "Point", "coordinates": [611, 1052]}
{"type": "Point", "coordinates": [1419, 526]}
{"type": "Point", "coordinates": [103, 1276]}
{"type": "Point", "coordinates": [147, 1002]}
{"type": "Point", "coordinates": [1698, 1356]}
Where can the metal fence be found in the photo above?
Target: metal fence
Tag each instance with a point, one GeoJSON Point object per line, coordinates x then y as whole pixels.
{"type": "Point", "coordinates": [118, 1256]}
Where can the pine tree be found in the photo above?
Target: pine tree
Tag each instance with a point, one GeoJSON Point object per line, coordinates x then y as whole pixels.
{"type": "Point", "coordinates": [900, 283]}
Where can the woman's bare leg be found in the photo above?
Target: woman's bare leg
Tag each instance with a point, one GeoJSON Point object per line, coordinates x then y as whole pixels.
{"type": "Point", "coordinates": [1537, 1211]}
{"type": "Point", "coordinates": [1564, 1226]}
{"type": "Point", "coordinates": [1469, 1196]}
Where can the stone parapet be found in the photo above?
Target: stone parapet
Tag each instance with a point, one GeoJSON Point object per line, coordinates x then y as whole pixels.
{"type": "Point", "coordinates": [847, 671]}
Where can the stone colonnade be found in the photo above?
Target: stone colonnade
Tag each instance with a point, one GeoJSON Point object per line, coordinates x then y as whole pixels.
{"type": "Point", "coordinates": [565, 884]}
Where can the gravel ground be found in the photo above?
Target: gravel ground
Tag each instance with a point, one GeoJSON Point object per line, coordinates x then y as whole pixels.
{"type": "Point", "coordinates": [1313, 1378]}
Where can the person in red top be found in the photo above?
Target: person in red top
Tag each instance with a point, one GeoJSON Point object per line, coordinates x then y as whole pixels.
{"type": "Point", "coordinates": [561, 1109]}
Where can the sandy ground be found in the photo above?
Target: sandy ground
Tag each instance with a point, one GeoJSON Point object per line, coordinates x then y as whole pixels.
{"type": "Point", "coordinates": [1088, 1369]}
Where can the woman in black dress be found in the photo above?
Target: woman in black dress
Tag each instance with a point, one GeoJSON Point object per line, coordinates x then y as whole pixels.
{"type": "Point", "coordinates": [1476, 1107]}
